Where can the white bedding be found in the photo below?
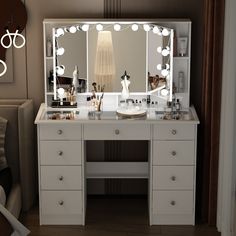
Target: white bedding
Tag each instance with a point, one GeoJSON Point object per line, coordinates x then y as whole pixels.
{"type": "Point", "coordinates": [2, 196]}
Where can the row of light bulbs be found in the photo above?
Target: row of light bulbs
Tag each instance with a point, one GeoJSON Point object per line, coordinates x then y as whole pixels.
{"type": "Point", "coordinates": [117, 27]}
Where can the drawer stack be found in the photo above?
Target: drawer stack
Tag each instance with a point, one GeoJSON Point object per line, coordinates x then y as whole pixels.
{"type": "Point", "coordinates": [173, 174]}
{"type": "Point", "coordinates": [60, 174]}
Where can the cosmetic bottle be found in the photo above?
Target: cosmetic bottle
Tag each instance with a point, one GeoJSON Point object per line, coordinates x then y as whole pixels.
{"type": "Point", "coordinates": [181, 82]}
{"type": "Point", "coordinates": [76, 79]}
{"type": "Point", "coordinates": [49, 48]}
{"type": "Point", "coordinates": [177, 105]}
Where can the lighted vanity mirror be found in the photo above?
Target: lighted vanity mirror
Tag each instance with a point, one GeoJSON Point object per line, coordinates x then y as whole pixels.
{"type": "Point", "coordinates": [102, 52]}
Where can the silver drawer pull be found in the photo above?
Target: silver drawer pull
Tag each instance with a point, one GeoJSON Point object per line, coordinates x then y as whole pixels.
{"type": "Point", "coordinates": [172, 203]}
{"type": "Point", "coordinates": [173, 178]}
{"type": "Point", "coordinates": [117, 131]}
{"type": "Point", "coordinates": [60, 153]}
{"type": "Point", "coordinates": [173, 153]}
{"type": "Point", "coordinates": [61, 203]}
{"type": "Point", "coordinates": [61, 178]}
{"type": "Point", "coordinates": [174, 131]}
{"type": "Point", "coordinates": [59, 131]}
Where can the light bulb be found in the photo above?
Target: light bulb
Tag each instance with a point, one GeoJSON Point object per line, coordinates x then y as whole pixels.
{"type": "Point", "coordinates": [146, 27]}
{"type": "Point", "coordinates": [59, 32]}
{"type": "Point", "coordinates": [117, 27]}
{"type": "Point", "coordinates": [165, 72]}
{"type": "Point", "coordinates": [134, 27]}
{"type": "Point", "coordinates": [165, 52]}
{"type": "Point", "coordinates": [85, 27]}
{"type": "Point", "coordinates": [165, 32]}
{"type": "Point", "coordinates": [72, 29]}
{"type": "Point", "coordinates": [159, 67]}
{"type": "Point", "coordinates": [60, 70]}
{"type": "Point", "coordinates": [167, 66]}
{"type": "Point", "coordinates": [155, 30]}
{"type": "Point", "coordinates": [99, 27]}
{"type": "Point", "coordinates": [159, 49]}
{"type": "Point", "coordinates": [164, 92]}
{"type": "Point", "coordinates": [60, 51]}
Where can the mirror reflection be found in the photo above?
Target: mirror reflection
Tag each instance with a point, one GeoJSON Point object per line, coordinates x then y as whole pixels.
{"type": "Point", "coordinates": [101, 53]}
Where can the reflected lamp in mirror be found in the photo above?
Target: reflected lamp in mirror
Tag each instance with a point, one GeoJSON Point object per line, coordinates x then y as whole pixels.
{"type": "Point", "coordinates": [104, 61]}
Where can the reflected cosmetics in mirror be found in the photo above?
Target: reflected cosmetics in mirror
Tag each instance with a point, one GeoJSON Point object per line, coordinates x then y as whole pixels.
{"type": "Point", "coordinates": [182, 46]}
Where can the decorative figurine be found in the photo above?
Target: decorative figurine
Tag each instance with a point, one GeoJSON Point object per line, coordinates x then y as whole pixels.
{"type": "Point", "coordinates": [125, 85]}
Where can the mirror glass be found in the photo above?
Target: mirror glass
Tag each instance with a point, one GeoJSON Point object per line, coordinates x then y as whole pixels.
{"type": "Point", "coordinates": [102, 55]}
{"type": "Point", "coordinates": [129, 54]}
{"type": "Point", "coordinates": [75, 54]}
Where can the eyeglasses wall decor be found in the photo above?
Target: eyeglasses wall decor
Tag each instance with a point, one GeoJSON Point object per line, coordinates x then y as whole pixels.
{"type": "Point", "coordinates": [12, 22]}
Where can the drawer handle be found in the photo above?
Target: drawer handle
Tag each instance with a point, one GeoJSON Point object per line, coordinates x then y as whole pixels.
{"type": "Point", "coordinates": [59, 131]}
{"type": "Point", "coordinates": [174, 131]}
{"type": "Point", "coordinates": [117, 131]}
{"type": "Point", "coordinates": [172, 203]}
{"type": "Point", "coordinates": [173, 153]}
{"type": "Point", "coordinates": [61, 203]}
{"type": "Point", "coordinates": [61, 178]}
{"type": "Point", "coordinates": [60, 153]}
{"type": "Point", "coordinates": [173, 178]}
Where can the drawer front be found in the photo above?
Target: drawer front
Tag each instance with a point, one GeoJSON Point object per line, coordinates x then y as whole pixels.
{"type": "Point", "coordinates": [61, 202]}
{"type": "Point", "coordinates": [173, 202]}
{"type": "Point", "coordinates": [117, 132]}
{"type": "Point", "coordinates": [173, 177]}
{"type": "Point", "coordinates": [61, 177]}
{"type": "Point", "coordinates": [173, 152]}
{"type": "Point", "coordinates": [60, 132]}
{"type": "Point", "coordinates": [60, 152]}
{"type": "Point", "coordinates": [174, 132]}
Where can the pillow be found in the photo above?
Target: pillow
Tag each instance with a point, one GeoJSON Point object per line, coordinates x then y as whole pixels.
{"type": "Point", "coordinates": [2, 196]}
{"type": "Point", "coordinates": [3, 160]}
{"type": "Point", "coordinates": [6, 180]}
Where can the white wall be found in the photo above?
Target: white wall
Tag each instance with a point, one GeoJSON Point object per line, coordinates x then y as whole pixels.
{"type": "Point", "coordinates": [226, 214]}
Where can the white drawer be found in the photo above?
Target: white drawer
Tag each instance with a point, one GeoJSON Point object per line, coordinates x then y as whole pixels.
{"type": "Point", "coordinates": [173, 202]}
{"type": "Point", "coordinates": [117, 132]}
{"type": "Point", "coordinates": [174, 131]}
{"type": "Point", "coordinates": [173, 177]}
{"type": "Point", "coordinates": [61, 177]}
{"type": "Point", "coordinates": [60, 152]}
{"type": "Point", "coordinates": [60, 131]}
{"type": "Point", "coordinates": [61, 202]}
{"type": "Point", "coordinates": [173, 153]}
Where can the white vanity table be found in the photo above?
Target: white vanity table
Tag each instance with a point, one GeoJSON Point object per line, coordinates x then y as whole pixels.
{"type": "Point", "coordinates": [170, 169]}
{"type": "Point", "coordinates": [171, 165]}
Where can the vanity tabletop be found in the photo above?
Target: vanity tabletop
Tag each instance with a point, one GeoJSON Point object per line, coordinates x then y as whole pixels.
{"type": "Point", "coordinates": [83, 115]}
